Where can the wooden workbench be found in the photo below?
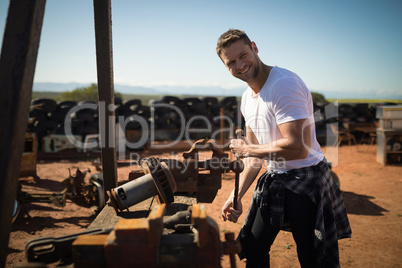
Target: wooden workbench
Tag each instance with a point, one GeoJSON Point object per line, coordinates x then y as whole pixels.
{"type": "Point", "coordinates": [108, 218]}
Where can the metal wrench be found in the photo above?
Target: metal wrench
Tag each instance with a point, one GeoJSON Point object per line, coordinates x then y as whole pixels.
{"type": "Point", "coordinates": [238, 169]}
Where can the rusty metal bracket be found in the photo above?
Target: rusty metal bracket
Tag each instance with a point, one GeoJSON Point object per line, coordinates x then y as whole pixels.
{"type": "Point", "coordinates": [141, 243]}
{"type": "Point", "coordinates": [50, 249]}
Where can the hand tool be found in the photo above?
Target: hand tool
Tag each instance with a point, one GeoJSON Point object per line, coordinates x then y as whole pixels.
{"type": "Point", "coordinates": [238, 169]}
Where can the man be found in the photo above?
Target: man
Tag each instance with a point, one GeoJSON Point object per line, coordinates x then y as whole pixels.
{"type": "Point", "coordinates": [297, 192]}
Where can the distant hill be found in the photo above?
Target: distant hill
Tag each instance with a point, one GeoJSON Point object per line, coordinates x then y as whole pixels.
{"type": "Point", "coordinates": [61, 87]}
{"type": "Point", "coordinates": [207, 91]}
{"type": "Point", "coordinates": [160, 90]}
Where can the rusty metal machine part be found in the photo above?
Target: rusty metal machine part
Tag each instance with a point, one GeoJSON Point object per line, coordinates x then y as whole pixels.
{"type": "Point", "coordinates": [200, 177]}
{"type": "Point", "coordinates": [157, 181]}
{"type": "Point", "coordinates": [141, 243]}
{"type": "Point", "coordinates": [49, 249]}
{"type": "Point", "coordinates": [91, 194]}
{"type": "Point", "coordinates": [75, 189]}
{"type": "Point", "coordinates": [203, 178]}
{"type": "Point", "coordinates": [178, 219]}
{"type": "Point", "coordinates": [57, 199]}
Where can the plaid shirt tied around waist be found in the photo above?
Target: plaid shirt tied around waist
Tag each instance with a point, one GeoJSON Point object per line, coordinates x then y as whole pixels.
{"type": "Point", "coordinates": [315, 182]}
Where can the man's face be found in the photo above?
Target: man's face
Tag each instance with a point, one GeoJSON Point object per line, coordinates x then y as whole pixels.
{"type": "Point", "coordinates": [241, 60]}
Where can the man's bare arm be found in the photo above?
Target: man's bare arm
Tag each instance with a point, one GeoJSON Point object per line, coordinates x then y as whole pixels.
{"type": "Point", "coordinates": [294, 144]}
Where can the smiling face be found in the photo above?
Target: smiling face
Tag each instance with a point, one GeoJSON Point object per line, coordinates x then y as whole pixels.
{"type": "Point", "coordinates": [241, 60]}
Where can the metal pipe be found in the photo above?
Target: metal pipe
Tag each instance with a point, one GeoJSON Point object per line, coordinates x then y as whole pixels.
{"type": "Point", "coordinates": [134, 192]}
{"type": "Point", "coordinates": [157, 181]}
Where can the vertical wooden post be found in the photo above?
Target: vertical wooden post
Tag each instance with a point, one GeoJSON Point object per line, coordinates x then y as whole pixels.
{"type": "Point", "coordinates": [104, 60]}
{"type": "Point", "coordinates": [17, 67]}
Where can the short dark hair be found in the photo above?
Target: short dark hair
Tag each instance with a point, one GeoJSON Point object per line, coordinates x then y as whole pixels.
{"type": "Point", "coordinates": [229, 37]}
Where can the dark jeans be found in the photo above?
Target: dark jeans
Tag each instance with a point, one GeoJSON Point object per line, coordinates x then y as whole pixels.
{"type": "Point", "coordinates": [300, 212]}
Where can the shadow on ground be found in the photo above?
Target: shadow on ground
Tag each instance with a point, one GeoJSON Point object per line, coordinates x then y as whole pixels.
{"type": "Point", "coordinates": [361, 205]}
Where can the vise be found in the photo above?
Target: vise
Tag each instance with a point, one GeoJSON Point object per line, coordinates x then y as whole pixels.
{"type": "Point", "coordinates": [142, 243]}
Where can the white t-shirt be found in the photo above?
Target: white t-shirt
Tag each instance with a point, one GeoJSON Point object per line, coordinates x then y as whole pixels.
{"type": "Point", "coordinates": [283, 98]}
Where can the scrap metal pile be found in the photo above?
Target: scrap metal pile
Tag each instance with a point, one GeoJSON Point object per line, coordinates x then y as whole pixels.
{"type": "Point", "coordinates": [75, 188]}
{"type": "Point", "coordinates": [188, 238]}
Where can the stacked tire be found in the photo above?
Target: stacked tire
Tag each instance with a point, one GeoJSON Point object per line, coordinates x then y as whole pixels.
{"type": "Point", "coordinates": [49, 117]}
{"type": "Point", "coordinates": [213, 110]}
{"type": "Point", "coordinates": [85, 121]}
{"type": "Point", "coordinates": [42, 120]}
{"type": "Point", "coordinates": [232, 111]}
{"type": "Point", "coordinates": [168, 113]}
{"type": "Point", "coordinates": [134, 114]}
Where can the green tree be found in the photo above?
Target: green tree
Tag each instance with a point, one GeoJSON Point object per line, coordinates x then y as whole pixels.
{"type": "Point", "coordinates": [318, 97]}
{"type": "Point", "coordinates": [89, 93]}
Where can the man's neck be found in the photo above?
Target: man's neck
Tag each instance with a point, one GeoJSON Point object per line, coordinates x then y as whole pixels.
{"type": "Point", "coordinates": [257, 83]}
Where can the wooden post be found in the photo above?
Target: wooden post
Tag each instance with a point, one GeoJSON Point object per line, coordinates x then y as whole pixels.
{"type": "Point", "coordinates": [17, 67]}
{"type": "Point", "coordinates": [104, 60]}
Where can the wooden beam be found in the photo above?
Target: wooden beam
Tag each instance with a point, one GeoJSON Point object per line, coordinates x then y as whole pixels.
{"type": "Point", "coordinates": [17, 67]}
{"type": "Point", "coordinates": [104, 60]}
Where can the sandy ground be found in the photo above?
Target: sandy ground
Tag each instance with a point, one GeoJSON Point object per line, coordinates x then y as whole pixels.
{"type": "Point", "coordinates": [372, 195]}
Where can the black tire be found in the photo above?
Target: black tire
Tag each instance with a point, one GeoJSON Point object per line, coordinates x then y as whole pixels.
{"type": "Point", "coordinates": [60, 130]}
{"type": "Point", "coordinates": [84, 116]}
{"type": "Point", "coordinates": [196, 107]}
{"type": "Point", "coordinates": [132, 104]}
{"type": "Point", "coordinates": [161, 122]}
{"type": "Point", "coordinates": [214, 109]}
{"type": "Point", "coordinates": [87, 102]}
{"type": "Point", "coordinates": [133, 125]}
{"type": "Point", "coordinates": [118, 101]}
{"type": "Point", "coordinates": [46, 126]}
{"type": "Point", "coordinates": [81, 109]}
{"type": "Point", "coordinates": [66, 104]}
{"type": "Point", "coordinates": [171, 100]}
{"type": "Point", "coordinates": [59, 116]}
{"type": "Point", "coordinates": [228, 102]}
{"type": "Point", "coordinates": [76, 127]}
{"type": "Point", "coordinates": [161, 111]}
{"type": "Point", "coordinates": [197, 123]}
{"type": "Point", "coordinates": [38, 115]}
{"type": "Point", "coordinates": [143, 111]}
{"type": "Point", "coordinates": [210, 100]}
{"type": "Point", "coordinates": [191, 101]}
{"type": "Point", "coordinates": [93, 124]}
{"type": "Point", "coordinates": [87, 130]}
{"type": "Point", "coordinates": [346, 110]}
{"type": "Point", "coordinates": [47, 105]}
{"type": "Point", "coordinates": [122, 111]}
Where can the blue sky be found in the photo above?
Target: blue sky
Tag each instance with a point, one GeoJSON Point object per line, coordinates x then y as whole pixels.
{"type": "Point", "coordinates": [337, 47]}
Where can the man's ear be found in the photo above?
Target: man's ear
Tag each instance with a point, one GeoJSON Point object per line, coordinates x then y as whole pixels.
{"type": "Point", "coordinates": [254, 47]}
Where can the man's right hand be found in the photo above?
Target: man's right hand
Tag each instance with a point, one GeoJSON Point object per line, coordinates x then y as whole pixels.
{"type": "Point", "coordinates": [229, 213]}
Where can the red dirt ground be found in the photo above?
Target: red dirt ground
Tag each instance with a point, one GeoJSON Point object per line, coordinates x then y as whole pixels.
{"type": "Point", "coordinates": [372, 195]}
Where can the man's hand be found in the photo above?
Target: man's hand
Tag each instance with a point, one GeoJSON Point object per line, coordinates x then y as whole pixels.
{"type": "Point", "coordinates": [229, 213]}
{"type": "Point", "coordinates": [239, 147]}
